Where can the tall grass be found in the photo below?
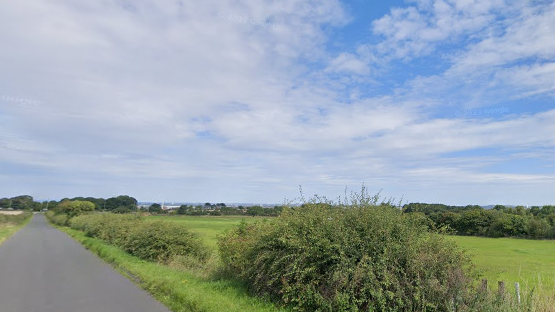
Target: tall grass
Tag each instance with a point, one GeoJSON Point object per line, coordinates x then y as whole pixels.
{"type": "Point", "coordinates": [9, 224]}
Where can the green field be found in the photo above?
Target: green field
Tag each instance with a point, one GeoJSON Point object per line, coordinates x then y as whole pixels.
{"type": "Point", "coordinates": [209, 227]}
{"type": "Point", "coordinates": [529, 262]}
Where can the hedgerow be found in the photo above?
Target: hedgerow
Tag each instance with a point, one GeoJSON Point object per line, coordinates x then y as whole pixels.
{"type": "Point", "coordinates": [355, 257]}
{"type": "Point", "coordinates": [159, 241]}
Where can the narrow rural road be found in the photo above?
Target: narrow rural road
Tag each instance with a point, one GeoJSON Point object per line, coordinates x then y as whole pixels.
{"type": "Point", "coordinates": [44, 270]}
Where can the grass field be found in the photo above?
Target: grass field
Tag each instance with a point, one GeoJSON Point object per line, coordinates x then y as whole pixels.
{"type": "Point", "coordinates": [529, 262]}
{"type": "Point", "coordinates": [209, 227]}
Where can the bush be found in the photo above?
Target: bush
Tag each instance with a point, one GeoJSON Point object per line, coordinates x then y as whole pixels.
{"type": "Point", "coordinates": [74, 208]}
{"type": "Point", "coordinates": [150, 240]}
{"type": "Point", "coordinates": [162, 240]}
{"type": "Point", "coordinates": [360, 257]}
{"type": "Point", "coordinates": [57, 218]}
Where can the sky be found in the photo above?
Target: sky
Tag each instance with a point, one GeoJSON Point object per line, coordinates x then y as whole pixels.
{"type": "Point", "coordinates": [437, 101]}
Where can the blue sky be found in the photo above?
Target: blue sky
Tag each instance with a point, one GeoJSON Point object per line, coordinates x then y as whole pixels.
{"type": "Point", "coordinates": [444, 101]}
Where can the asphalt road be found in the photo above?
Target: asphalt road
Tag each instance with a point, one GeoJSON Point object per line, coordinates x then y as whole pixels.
{"type": "Point", "coordinates": [44, 270]}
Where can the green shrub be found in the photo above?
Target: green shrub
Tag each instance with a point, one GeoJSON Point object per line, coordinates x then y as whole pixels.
{"type": "Point", "coordinates": [162, 240]}
{"type": "Point", "coordinates": [74, 208]}
{"type": "Point", "coordinates": [57, 218]}
{"type": "Point", "coordinates": [150, 240]}
{"type": "Point", "coordinates": [360, 257]}
{"type": "Point", "coordinates": [235, 245]}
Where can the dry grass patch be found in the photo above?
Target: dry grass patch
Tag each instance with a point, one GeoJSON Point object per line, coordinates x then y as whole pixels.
{"type": "Point", "coordinates": [11, 212]}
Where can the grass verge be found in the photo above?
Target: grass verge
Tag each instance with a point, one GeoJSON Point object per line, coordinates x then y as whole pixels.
{"type": "Point", "coordinates": [178, 289]}
{"type": "Point", "coordinates": [9, 229]}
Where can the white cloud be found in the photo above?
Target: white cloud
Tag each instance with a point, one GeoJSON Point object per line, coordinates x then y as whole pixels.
{"type": "Point", "coordinates": [349, 63]}
{"type": "Point", "coordinates": [416, 30]}
{"type": "Point", "coordinates": [192, 98]}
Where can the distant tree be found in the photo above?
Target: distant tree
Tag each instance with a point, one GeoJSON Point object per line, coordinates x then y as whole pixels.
{"type": "Point", "coordinates": [22, 202]}
{"type": "Point", "coordinates": [520, 210]}
{"type": "Point", "coordinates": [535, 210]}
{"type": "Point", "coordinates": [121, 201]}
{"type": "Point", "coordinates": [547, 210]}
{"type": "Point", "coordinates": [183, 209]}
{"type": "Point", "coordinates": [216, 212]}
{"type": "Point", "coordinates": [37, 206]}
{"type": "Point", "coordinates": [255, 211]}
{"type": "Point", "coordinates": [155, 208]}
{"type": "Point", "coordinates": [98, 202]}
{"type": "Point", "coordinates": [5, 203]}
{"type": "Point", "coordinates": [51, 205]}
{"type": "Point", "coordinates": [538, 228]}
{"type": "Point", "coordinates": [473, 222]}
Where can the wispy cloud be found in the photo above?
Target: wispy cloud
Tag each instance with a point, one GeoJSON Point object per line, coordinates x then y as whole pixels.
{"type": "Point", "coordinates": [246, 100]}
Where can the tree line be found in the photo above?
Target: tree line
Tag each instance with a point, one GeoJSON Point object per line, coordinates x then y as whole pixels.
{"type": "Point", "coordinates": [500, 221]}
{"type": "Point", "coordinates": [121, 204]}
{"type": "Point", "coordinates": [126, 204]}
{"type": "Point", "coordinates": [220, 209]}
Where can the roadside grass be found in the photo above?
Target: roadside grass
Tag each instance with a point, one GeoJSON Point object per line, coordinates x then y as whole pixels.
{"type": "Point", "coordinates": [9, 228]}
{"type": "Point", "coordinates": [179, 289]}
{"type": "Point", "coordinates": [531, 263]}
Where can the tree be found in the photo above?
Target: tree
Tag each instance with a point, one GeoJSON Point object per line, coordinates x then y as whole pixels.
{"type": "Point", "coordinates": [183, 209]}
{"type": "Point", "coordinates": [121, 201]}
{"type": "Point", "coordinates": [74, 208]}
{"type": "Point", "coordinates": [155, 208]}
{"type": "Point", "coordinates": [255, 211]}
{"type": "Point", "coordinates": [538, 228]}
{"type": "Point", "coordinates": [22, 202]}
{"type": "Point", "coordinates": [473, 222]}
{"type": "Point", "coordinates": [5, 203]}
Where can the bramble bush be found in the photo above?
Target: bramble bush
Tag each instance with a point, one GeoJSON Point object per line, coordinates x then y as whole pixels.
{"type": "Point", "coordinates": [60, 219]}
{"type": "Point", "coordinates": [159, 241]}
{"type": "Point", "coordinates": [359, 256]}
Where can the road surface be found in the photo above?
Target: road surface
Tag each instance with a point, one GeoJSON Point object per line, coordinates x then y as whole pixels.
{"type": "Point", "coordinates": [44, 270]}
